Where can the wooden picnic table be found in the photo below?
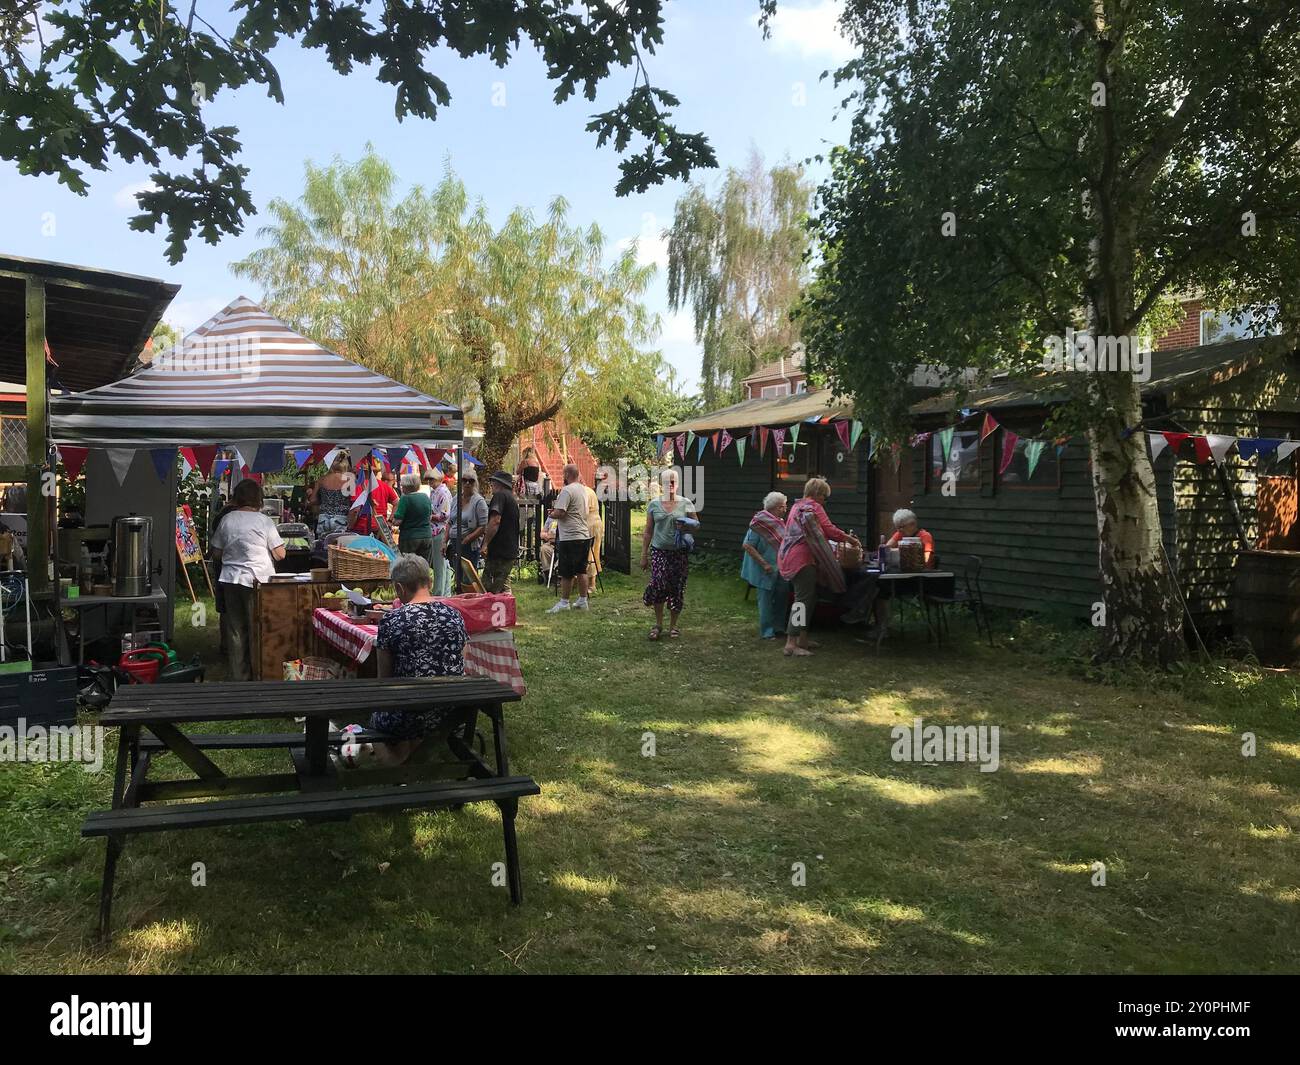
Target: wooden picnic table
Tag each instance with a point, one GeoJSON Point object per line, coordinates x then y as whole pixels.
{"type": "Point", "coordinates": [905, 585]}
{"type": "Point", "coordinates": [318, 790]}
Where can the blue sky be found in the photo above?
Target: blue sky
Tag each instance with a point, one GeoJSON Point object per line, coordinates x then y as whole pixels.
{"type": "Point", "coordinates": [743, 92]}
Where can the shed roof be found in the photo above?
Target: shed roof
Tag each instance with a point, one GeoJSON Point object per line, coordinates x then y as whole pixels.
{"type": "Point", "coordinates": [1173, 374]}
{"type": "Point", "coordinates": [96, 321]}
{"type": "Point", "coordinates": [779, 410]}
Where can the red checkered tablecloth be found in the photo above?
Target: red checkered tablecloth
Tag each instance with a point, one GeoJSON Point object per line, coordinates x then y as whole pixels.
{"type": "Point", "coordinates": [487, 654]}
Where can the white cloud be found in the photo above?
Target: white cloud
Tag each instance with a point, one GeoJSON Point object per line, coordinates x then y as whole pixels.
{"type": "Point", "coordinates": [651, 246]}
{"type": "Point", "coordinates": [125, 197]}
{"type": "Point", "coordinates": [813, 32]}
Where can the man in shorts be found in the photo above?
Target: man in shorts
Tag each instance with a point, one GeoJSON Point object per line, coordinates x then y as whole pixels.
{"type": "Point", "coordinates": [573, 540]}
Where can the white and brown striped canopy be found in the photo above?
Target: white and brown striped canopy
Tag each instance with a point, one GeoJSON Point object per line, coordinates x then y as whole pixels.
{"type": "Point", "coordinates": [242, 377]}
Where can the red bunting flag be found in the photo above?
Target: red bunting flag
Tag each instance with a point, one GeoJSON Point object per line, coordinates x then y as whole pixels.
{"type": "Point", "coordinates": [1009, 440]}
{"type": "Point", "coordinates": [73, 459]}
{"type": "Point", "coordinates": [1202, 446]}
{"type": "Point", "coordinates": [763, 433]}
{"type": "Point", "coordinates": [843, 428]}
{"type": "Point", "coordinates": [319, 451]}
{"type": "Point", "coordinates": [990, 423]}
{"type": "Point", "coordinates": [204, 455]}
{"type": "Point", "coordinates": [1175, 440]}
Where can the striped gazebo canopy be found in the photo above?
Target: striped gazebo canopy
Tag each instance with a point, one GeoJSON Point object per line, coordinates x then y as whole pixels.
{"type": "Point", "coordinates": [243, 377]}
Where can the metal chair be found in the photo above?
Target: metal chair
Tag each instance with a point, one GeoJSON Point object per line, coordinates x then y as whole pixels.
{"type": "Point", "coordinates": [966, 593]}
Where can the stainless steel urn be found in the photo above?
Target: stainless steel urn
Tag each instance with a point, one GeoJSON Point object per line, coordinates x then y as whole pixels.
{"type": "Point", "coordinates": [132, 544]}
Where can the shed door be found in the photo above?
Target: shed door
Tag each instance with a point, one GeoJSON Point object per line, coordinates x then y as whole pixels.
{"type": "Point", "coordinates": [893, 490]}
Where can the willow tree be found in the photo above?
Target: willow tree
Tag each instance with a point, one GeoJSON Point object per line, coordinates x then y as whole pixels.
{"type": "Point", "coordinates": [524, 320]}
{"type": "Point", "coordinates": [1018, 168]}
{"type": "Point", "coordinates": [736, 259]}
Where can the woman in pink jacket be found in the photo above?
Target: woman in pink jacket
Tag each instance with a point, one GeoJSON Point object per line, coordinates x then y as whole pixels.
{"type": "Point", "coordinates": [805, 558]}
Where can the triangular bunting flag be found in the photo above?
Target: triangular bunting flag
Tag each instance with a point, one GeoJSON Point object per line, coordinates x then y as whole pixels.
{"type": "Point", "coordinates": [681, 446]}
{"type": "Point", "coordinates": [740, 449]}
{"type": "Point", "coordinates": [73, 459]}
{"type": "Point", "coordinates": [164, 461]}
{"type": "Point", "coordinates": [204, 454]}
{"type": "Point", "coordinates": [1285, 448]}
{"type": "Point", "coordinates": [1219, 446]}
{"type": "Point", "coordinates": [855, 432]}
{"type": "Point", "coordinates": [241, 462]}
{"type": "Point", "coordinates": [120, 459]}
{"type": "Point", "coordinates": [395, 456]}
{"type": "Point", "coordinates": [659, 443]}
{"type": "Point", "coordinates": [945, 441]}
{"type": "Point", "coordinates": [269, 457]}
{"type": "Point", "coordinates": [726, 441]}
{"type": "Point", "coordinates": [714, 440]}
{"type": "Point", "coordinates": [1157, 443]}
{"type": "Point", "coordinates": [300, 456]}
{"type": "Point", "coordinates": [1175, 440]}
{"type": "Point", "coordinates": [701, 442]}
{"type": "Point", "coordinates": [690, 437]}
{"type": "Point", "coordinates": [188, 460]}
{"type": "Point", "coordinates": [1248, 449]}
{"type": "Point", "coordinates": [1009, 440]}
{"type": "Point", "coordinates": [778, 438]}
{"type": "Point", "coordinates": [1061, 442]}
{"type": "Point", "coordinates": [320, 451]}
{"type": "Point", "coordinates": [1033, 452]}
{"type": "Point", "coordinates": [763, 433]}
{"type": "Point", "coordinates": [1202, 447]}
{"type": "Point", "coordinates": [844, 429]}
{"type": "Point", "coordinates": [219, 469]}
{"type": "Point", "coordinates": [794, 433]}
{"type": "Point", "coordinates": [990, 423]}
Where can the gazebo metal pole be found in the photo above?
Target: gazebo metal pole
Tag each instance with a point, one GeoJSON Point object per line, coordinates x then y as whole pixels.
{"type": "Point", "coordinates": [38, 525]}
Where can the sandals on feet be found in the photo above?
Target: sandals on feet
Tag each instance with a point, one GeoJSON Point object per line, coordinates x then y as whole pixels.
{"type": "Point", "coordinates": [674, 633]}
{"type": "Point", "coordinates": [655, 630]}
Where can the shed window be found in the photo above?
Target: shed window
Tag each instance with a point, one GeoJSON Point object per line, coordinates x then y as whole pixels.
{"type": "Point", "coordinates": [962, 459]}
{"type": "Point", "coordinates": [1038, 454]}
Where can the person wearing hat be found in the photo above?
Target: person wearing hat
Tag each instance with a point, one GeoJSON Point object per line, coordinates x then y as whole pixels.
{"type": "Point", "coordinates": [501, 536]}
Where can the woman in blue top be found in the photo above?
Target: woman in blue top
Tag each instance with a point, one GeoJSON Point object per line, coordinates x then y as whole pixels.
{"type": "Point", "coordinates": [762, 539]}
{"type": "Point", "coordinates": [664, 556]}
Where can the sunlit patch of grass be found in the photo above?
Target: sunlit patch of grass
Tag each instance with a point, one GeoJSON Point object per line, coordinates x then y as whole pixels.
{"type": "Point", "coordinates": [768, 746]}
{"type": "Point", "coordinates": [593, 886]}
{"type": "Point", "coordinates": [1074, 764]}
{"type": "Point", "coordinates": [914, 793]}
{"type": "Point", "coordinates": [1270, 832]}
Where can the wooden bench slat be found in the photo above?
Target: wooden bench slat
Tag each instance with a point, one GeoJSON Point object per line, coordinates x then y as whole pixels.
{"type": "Point", "coordinates": [299, 806]}
{"type": "Point", "coordinates": [253, 741]}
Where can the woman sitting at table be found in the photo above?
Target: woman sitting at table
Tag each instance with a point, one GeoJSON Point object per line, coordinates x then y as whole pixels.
{"type": "Point", "coordinates": [905, 524]}
{"type": "Point", "coordinates": [421, 638]}
{"type": "Point", "coordinates": [805, 557]}
{"type": "Point", "coordinates": [762, 541]}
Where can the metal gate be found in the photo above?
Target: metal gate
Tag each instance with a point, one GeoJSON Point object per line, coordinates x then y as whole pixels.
{"type": "Point", "coordinates": [616, 551]}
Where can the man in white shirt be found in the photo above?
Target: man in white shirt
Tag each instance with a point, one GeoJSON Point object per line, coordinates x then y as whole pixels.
{"type": "Point", "coordinates": [572, 539]}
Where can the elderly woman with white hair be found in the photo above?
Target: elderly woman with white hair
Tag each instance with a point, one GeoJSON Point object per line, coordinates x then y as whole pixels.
{"type": "Point", "coordinates": [412, 516]}
{"type": "Point", "coordinates": [906, 525]}
{"type": "Point", "coordinates": [421, 638]}
{"type": "Point", "coordinates": [758, 567]}
{"type": "Point", "coordinates": [666, 554]}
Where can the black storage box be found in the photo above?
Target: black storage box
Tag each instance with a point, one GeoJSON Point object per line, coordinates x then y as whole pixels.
{"type": "Point", "coordinates": [41, 697]}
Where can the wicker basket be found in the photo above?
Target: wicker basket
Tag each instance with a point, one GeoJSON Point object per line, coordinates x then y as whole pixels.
{"type": "Point", "coordinates": [348, 565]}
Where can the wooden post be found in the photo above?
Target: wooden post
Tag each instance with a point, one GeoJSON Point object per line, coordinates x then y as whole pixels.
{"type": "Point", "coordinates": [38, 547]}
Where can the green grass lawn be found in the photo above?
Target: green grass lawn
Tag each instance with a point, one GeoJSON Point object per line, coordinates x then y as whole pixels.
{"type": "Point", "coordinates": [682, 862]}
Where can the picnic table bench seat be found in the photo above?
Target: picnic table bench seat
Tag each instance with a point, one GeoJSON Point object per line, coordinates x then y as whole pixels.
{"type": "Point", "coordinates": [315, 790]}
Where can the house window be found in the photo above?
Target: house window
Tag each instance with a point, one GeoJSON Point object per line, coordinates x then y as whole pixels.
{"type": "Point", "coordinates": [772, 391]}
{"type": "Point", "coordinates": [1041, 455]}
{"type": "Point", "coordinates": [962, 459]}
{"type": "Point", "coordinates": [802, 386]}
{"type": "Point", "coordinates": [1221, 327]}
